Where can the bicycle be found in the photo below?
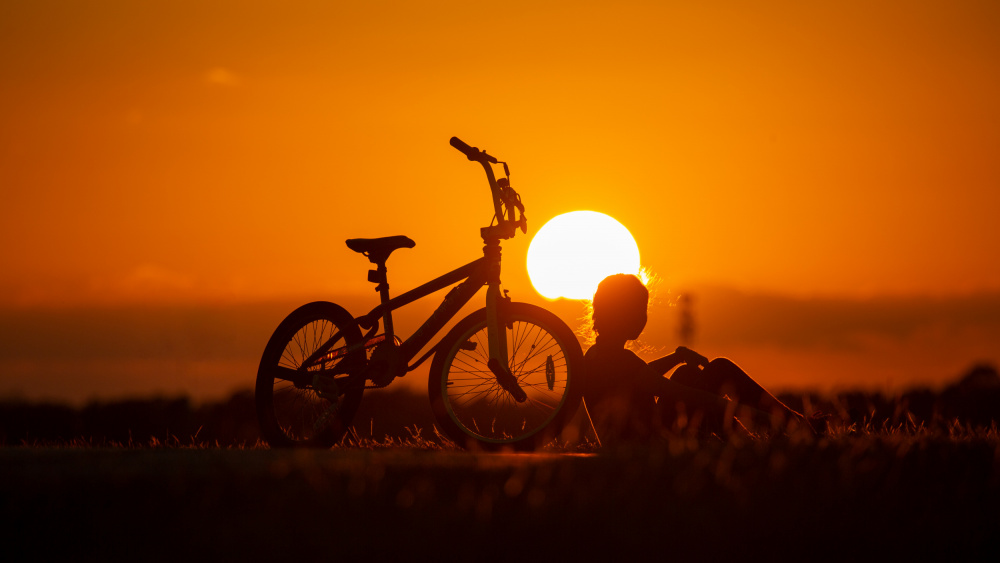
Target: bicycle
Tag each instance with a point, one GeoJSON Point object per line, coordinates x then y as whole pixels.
{"type": "Point", "coordinates": [507, 376]}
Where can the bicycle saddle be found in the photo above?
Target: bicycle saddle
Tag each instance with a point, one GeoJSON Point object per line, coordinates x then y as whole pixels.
{"type": "Point", "coordinates": [378, 249]}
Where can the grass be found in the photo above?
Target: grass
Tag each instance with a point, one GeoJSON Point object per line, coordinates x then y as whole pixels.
{"type": "Point", "coordinates": [862, 492]}
{"type": "Point", "coordinates": [886, 484]}
{"type": "Point", "coordinates": [415, 438]}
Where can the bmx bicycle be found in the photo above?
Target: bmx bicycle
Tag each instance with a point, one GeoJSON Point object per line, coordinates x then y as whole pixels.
{"type": "Point", "coordinates": [507, 376]}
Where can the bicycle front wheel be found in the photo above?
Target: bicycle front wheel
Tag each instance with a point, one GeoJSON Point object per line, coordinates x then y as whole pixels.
{"type": "Point", "coordinates": [307, 384]}
{"type": "Point", "coordinates": [543, 355]}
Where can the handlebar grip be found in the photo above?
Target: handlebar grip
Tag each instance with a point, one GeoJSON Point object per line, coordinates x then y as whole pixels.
{"type": "Point", "coordinates": [472, 153]}
{"type": "Point", "coordinates": [466, 149]}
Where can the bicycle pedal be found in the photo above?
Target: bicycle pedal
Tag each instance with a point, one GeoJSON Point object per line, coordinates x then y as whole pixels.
{"type": "Point", "coordinates": [326, 388]}
{"type": "Point", "coordinates": [468, 345]}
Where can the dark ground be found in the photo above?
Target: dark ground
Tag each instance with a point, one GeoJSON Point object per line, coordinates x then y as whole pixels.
{"type": "Point", "coordinates": [899, 478]}
{"type": "Point", "coordinates": [860, 497]}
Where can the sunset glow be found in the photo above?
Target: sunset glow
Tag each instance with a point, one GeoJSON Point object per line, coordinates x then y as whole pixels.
{"type": "Point", "coordinates": [169, 154]}
{"type": "Point", "coordinates": [573, 252]}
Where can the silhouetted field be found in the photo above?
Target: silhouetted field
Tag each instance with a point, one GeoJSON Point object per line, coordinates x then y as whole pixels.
{"type": "Point", "coordinates": [973, 401]}
{"type": "Point", "coordinates": [899, 481]}
{"type": "Point", "coordinates": [869, 496]}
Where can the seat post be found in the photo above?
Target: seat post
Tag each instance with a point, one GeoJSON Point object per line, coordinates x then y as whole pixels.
{"type": "Point", "coordinates": [377, 250]}
{"type": "Point", "coordinates": [380, 275]}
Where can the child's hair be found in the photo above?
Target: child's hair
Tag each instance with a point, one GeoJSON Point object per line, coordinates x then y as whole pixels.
{"type": "Point", "coordinates": [619, 306]}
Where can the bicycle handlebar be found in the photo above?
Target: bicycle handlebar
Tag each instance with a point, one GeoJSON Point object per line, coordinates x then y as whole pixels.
{"type": "Point", "coordinates": [505, 199]}
{"type": "Point", "coordinates": [472, 153]}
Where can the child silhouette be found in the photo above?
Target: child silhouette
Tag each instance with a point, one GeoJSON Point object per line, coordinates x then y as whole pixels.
{"type": "Point", "coordinates": [629, 399]}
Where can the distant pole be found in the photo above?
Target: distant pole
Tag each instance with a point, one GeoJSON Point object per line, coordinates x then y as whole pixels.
{"type": "Point", "coordinates": [685, 330]}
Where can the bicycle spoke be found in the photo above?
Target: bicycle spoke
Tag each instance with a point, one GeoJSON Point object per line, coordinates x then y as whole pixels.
{"type": "Point", "coordinates": [292, 412]}
{"type": "Point", "coordinates": [474, 397]}
{"type": "Point", "coordinates": [479, 407]}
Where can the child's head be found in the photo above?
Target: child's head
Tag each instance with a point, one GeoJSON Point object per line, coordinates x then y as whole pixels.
{"type": "Point", "coordinates": [620, 307]}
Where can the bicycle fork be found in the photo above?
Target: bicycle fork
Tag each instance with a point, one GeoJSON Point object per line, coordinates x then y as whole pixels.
{"type": "Point", "coordinates": [495, 325]}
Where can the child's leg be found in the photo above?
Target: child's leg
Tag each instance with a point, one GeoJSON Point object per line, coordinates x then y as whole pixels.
{"type": "Point", "coordinates": [691, 376]}
{"type": "Point", "coordinates": [690, 409]}
{"type": "Point", "coordinates": [723, 377]}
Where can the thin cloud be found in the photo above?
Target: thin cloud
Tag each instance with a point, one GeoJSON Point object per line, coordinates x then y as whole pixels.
{"type": "Point", "coordinates": [220, 76]}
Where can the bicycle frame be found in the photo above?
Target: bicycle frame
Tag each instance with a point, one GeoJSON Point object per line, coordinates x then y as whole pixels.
{"type": "Point", "coordinates": [321, 358]}
{"type": "Point", "coordinates": [474, 275]}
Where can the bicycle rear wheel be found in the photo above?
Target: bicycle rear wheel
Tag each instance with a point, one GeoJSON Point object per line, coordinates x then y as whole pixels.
{"type": "Point", "coordinates": [471, 406]}
{"type": "Point", "coordinates": [307, 384]}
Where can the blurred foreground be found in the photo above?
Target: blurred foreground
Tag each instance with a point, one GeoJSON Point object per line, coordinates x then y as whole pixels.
{"type": "Point", "coordinates": [916, 476]}
{"type": "Point", "coordinates": [868, 496]}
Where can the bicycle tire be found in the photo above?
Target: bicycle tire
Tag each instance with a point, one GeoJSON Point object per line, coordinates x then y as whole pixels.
{"type": "Point", "coordinates": [293, 415]}
{"type": "Point", "coordinates": [469, 405]}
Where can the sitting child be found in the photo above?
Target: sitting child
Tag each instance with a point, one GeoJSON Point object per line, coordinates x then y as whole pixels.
{"type": "Point", "coordinates": [629, 399]}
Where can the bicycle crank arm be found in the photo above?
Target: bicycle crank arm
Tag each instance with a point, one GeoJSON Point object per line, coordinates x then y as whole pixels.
{"type": "Point", "coordinates": [506, 380]}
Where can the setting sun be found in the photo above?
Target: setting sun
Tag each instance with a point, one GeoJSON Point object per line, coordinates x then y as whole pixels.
{"type": "Point", "coordinates": [574, 251]}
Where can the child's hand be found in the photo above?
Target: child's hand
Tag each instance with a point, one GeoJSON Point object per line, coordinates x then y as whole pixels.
{"type": "Point", "coordinates": [691, 357]}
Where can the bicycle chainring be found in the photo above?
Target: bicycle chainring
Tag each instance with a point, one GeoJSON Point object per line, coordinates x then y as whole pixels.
{"type": "Point", "coordinates": [384, 365]}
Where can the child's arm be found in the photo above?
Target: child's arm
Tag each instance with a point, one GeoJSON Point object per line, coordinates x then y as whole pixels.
{"type": "Point", "coordinates": [681, 356]}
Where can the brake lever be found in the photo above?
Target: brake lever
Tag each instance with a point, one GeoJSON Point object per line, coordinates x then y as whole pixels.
{"type": "Point", "coordinates": [521, 221]}
{"type": "Point", "coordinates": [512, 202]}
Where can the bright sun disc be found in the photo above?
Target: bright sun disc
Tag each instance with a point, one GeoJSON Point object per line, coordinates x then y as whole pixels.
{"type": "Point", "coordinates": [574, 251]}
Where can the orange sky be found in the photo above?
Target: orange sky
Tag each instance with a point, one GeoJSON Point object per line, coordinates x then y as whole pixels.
{"type": "Point", "coordinates": [173, 149]}
{"type": "Point", "coordinates": [207, 152]}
